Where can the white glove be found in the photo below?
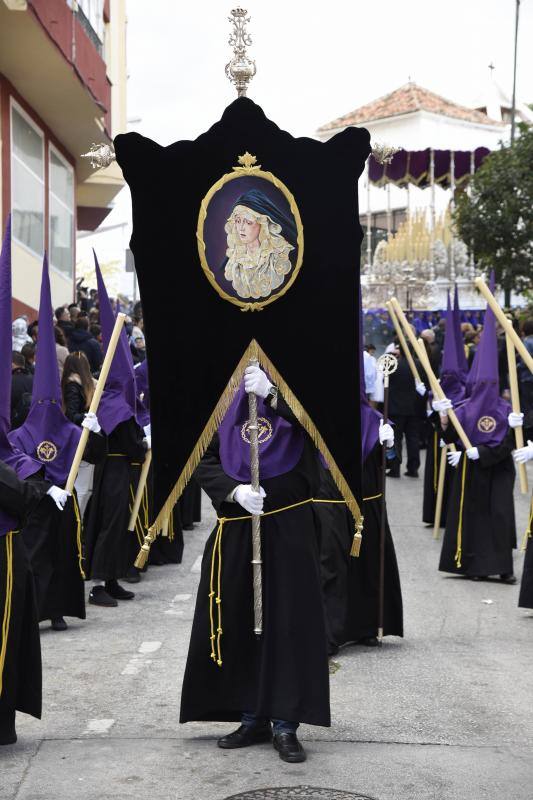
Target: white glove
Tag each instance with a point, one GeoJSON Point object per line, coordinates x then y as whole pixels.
{"type": "Point", "coordinates": [148, 442]}
{"type": "Point", "coordinates": [524, 454]}
{"type": "Point", "coordinates": [256, 381]}
{"type": "Point", "coordinates": [421, 389]}
{"type": "Point", "coordinates": [386, 434]}
{"type": "Point", "coordinates": [148, 429]}
{"type": "Point", "coordinates": [473, 453]}
{"type": "Point", "coordinates": [454, 457]}
{"type": "Point", "coordinates": [248, 499]}
{"type": "Point", "coordinates": [59, 496]}
{"type": "Point", "coordinates": [90, 421]}
{"type": "Point", "coordinates": [442, 406]}
{"type": "Point", "coordinates": [515, 419]}
{"type": "Point", "coordinates": [442, 443]}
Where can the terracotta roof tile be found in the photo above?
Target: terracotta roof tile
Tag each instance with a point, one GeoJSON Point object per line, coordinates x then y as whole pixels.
{"type": "Point", "coordinates": [406, 99]}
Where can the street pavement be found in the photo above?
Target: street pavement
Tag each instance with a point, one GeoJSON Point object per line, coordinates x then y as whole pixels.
{"type": "Point", "coordinates": [444, 714]}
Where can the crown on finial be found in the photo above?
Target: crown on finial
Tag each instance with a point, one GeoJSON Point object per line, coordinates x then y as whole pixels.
{"type": "Point", "coordinates": [241, 69]}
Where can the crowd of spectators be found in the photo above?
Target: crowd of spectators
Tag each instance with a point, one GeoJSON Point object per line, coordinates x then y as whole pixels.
{"type": "Point", "coordinates": [77, 330]}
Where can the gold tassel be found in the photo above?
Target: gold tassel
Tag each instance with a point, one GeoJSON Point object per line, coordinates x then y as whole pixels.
{"type": "Point", "coordinates": [254, 351]}
{"type": "Point", "coordinates": [144, 552]}
{"type": "Point", "coordinates": [357, 539]}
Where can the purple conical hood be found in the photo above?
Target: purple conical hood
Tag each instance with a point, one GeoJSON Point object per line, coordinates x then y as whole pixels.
{"type": "Point", "coordinates": [22, 464]}
{"type": "Point", "coordinates": [452, 377]}
{"type": "Point", "coordinates": [46, 433]}
{"type": "Point", "coordinates": [118, 400]}
{"type": "Point", "coordinates": [470, 380]}
{"type": "Point", "coordinates": [484, 414]}
{"type": "Point", "coordinates": [370, 418]}
{"type": "Point", "coordinates": [461, 355]}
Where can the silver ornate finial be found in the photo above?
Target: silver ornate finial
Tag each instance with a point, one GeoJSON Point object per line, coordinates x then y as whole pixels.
{"type": "Point", "coordinates": [100, 155]}
{"type": "Point", "coordinates": [384, 153]}
{"type": "Point", "coordinates": [240, 70]}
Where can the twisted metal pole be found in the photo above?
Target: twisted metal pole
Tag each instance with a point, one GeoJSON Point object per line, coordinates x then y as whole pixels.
{"type": "Point", "coordinates": [253, 429]}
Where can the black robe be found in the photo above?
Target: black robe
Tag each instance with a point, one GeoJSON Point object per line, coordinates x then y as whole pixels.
{"type": "Point", "coordinates": [110, 549]}
{"type": "Point", "coordinates": [431, 476]}
{"type": "Point", "coordinates": [53, 539]}
{"type": "Point", "coordinates": [165, 549]}
{"type": "Point", "coordinates": [525, 599]}
{"type": "Point", "coordinates": [284, 674]}
{"type": "Point", "coordinates": [488, 530]}
{"type": "Point", "coordinates": [190, 504]}
{"type": "Point", "coordinates": [351, 585]}
{"type": "Point", "coordinates": [21, 673]}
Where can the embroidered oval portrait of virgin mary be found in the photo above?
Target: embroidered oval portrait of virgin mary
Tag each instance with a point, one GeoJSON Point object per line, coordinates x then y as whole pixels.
{"type": "Point", "coordinates": [250, 236]}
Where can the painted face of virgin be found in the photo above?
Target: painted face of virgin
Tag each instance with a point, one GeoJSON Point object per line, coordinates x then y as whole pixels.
{"type": "Point", "coordinates": [247, 228]}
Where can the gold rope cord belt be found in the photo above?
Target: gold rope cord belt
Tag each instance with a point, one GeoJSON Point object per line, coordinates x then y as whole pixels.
{"type": "Point", "coordinates": [215, 597]}
{"type": "Point", "coordinates": [8, 538]}
{"type": "Point", "coordinates": [527, 533]}
{"type": "Point", "coordinates": [78, 533]}
{"type": "Point", "coordinates": [459, 550]}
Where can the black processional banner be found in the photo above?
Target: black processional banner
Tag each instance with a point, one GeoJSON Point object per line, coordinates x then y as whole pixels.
{"type": "Point", "coordinates": [247, 243]}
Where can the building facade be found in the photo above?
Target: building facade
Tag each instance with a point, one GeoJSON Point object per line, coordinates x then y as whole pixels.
{"type": "Point", "coordinates": [62, 87]}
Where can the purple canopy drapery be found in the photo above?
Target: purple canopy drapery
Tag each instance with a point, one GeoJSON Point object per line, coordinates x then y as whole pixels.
{"type": "Point", "coordinates": [413, 166]}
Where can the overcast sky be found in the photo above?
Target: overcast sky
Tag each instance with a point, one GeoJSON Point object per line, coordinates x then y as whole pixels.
{"type": "Point", "coordinates": [315, 61]}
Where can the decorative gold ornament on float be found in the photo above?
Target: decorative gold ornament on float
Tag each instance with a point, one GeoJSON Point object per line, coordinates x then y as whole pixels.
{"type": "Point", "coordinates": [250, 236]}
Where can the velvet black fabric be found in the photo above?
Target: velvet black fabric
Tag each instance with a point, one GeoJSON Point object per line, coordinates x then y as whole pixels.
{"type": "Point", "coordinates": [21, 677]}
{"type": "Point", "coordinates": [310, 333]}
{"type": "Point", "coordinates": [351, 585]}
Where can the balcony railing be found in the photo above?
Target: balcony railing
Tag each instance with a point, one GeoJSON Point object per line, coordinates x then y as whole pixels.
{"type": "Point", "coordinates": [89, 30]}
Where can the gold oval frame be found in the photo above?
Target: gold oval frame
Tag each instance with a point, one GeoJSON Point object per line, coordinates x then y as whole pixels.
{"type": "Point", "coordinates": [247, 168]}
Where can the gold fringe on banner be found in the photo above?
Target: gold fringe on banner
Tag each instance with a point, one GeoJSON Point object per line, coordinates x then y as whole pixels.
{"type": "Point", "coordinates": [252, 351]}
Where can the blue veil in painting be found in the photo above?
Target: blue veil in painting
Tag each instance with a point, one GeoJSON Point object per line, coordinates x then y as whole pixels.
{"type": "Point", "coordinates": [255, 269]}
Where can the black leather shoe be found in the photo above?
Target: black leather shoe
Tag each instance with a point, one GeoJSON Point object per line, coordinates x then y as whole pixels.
{"type": "Point", "coordinates": [411, 474]}
{"type": "Point", "coordinates": [114, 589]}
{"type": "Point", "coordinates": [289, 748]}
{"type": "Point", "coordinates": [8, 734]}
{"type": "Point", "coordinates": [511, 579]}
{"type": "Point", "coordinates": [369, 641]}
{"type": "Point", "coordinates": [99, 597]}
{"type": "Point", "coordinates": [59, 624]}
{"type": "Point", "coordinates": [132, 575]}
{"type": "Point", "coordinates": [246, 735]}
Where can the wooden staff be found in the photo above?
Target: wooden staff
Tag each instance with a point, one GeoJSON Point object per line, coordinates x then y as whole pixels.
{"type": "Point", "coordinates": [140, 489]}
{"type": "Point", "coordinates": [387, 364]}
{"type": "Point", "coordinates": [403, 343]}
{"type": "Point", "coordinates": [515, 401]}
{"type": "Point", "coordinates": [435, 385]}
{"type": "Point", "coordinates": [504, 322]}
{"type": "Point", "coordinates": [95, 402]}
{"type": "Point", "coordinates": [253, 429]}
{"type": "Point", "coordinates": [440, 493]}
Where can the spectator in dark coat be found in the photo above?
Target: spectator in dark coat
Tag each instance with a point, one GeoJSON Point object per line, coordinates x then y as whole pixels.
{"type": "Point", "coordinates": [21, 389]}
{"type": "Point", "coordinates": [28, 352]}
{"type": "Point", "coordinates": [82, 340]}
{"type": "Point", "coordinates": [64, 322]}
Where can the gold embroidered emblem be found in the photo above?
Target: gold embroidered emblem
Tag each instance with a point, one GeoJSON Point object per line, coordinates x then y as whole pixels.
{"type": "Point", "coordinates": [486, 424]}
{"type": "Point", "coordinates": [264, 433]}
{"type": "Point", "coordinates": [46, 451]}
